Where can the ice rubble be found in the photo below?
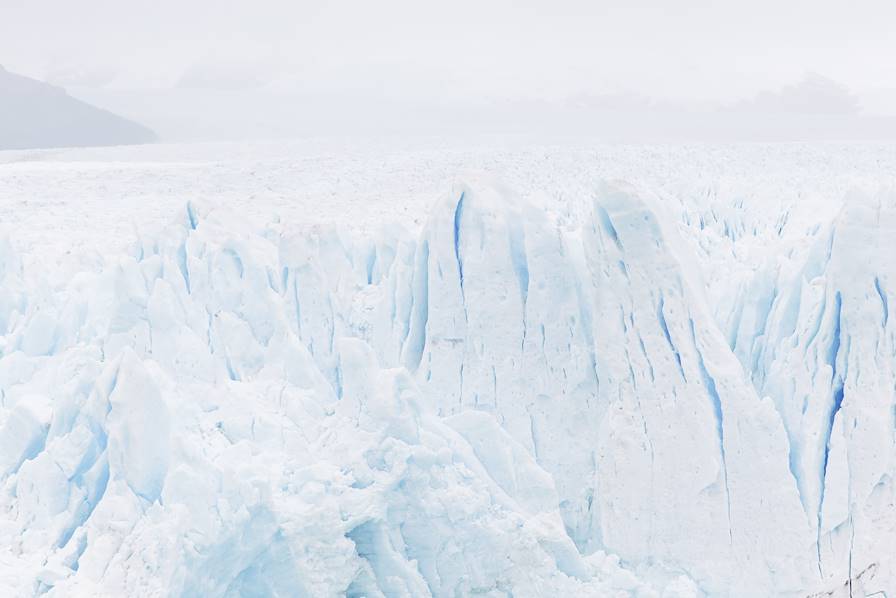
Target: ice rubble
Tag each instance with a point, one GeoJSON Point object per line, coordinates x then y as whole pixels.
{"type": "Point", "coordinates": [507, 403]}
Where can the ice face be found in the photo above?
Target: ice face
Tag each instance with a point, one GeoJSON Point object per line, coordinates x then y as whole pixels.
{"type": "Point", "coordinates": [509, 401]}
{"type": "Point", "coordinates": [594, 350]}
{"type": "Point", "coordinates": [201, 418]}
{"type": "Point", "coordinates": [823, 350]}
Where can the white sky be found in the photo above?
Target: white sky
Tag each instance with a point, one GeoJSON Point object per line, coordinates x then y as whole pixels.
{"type": "Point", "coordinates": [683, 49]}
{"type": "Point", "coordinates": [449, 51]}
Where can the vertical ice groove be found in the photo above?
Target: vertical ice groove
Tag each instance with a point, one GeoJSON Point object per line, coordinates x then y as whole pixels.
{"type": "Point", "coordinates": [711, 390]}
{"type": "Point", "coordinates": [637, 395]}
{"type": "Point", "coordinates": [734, 327]}
{"type": "Point", "coordinates": [517, 241]}
{"type": "Point", "coordinates": [520, 261]}
{"type": "Point", "coordinates": [231, 373]}
{"type": "Point", "coordinates": [834, 348]}
{"type": "Point", "coordinates": [586, 326]}
{"type": "Point", "coordinates": [817, 325]}
{"type": "Point", "coordinates": [836, 403]}
{"type": "Point", "coordinates": [495, 389]}
{"type": "Point", "coordinates": [534, 434]}
{"type": "Point", "coordinates": [607, 224]}
{"type": "Point", "coordinates": [460, 394]}
{"type": "Point", "coordinates": [235, 259]}
{"type": "Point", "coordinates": [661, 316]}
{"type": "Point", "coordinates": [763, 318]}
{"type": "Point", "coordinates": [182, 264]}
{"type": "Point", "coordinates": [419, 311]}
{"type": "Point", "coordinates": [852, 542]}
{"type": "Point", "coordinates": [191, 215]}
{"type": "Point", "coordinates": [458, 214]}
{"type": "Point", "coordinates": [646, 358]}
{"type": "Point", "coordinates": [884, 303]}
{"type": "Point", "coordinates": [332, 325]}
{"type": "Point", "coordinates": [369, 263]}
{"type": "Point", "coordinates": [298, 306]}
{"type": "Point", "coordinates": [338, 380]}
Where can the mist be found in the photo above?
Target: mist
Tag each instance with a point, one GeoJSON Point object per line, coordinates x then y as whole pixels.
{"type": "Point", "coordinates": [229, 70]}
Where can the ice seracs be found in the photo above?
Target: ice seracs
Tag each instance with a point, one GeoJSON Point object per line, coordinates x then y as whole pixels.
{"type": "Point", "coordinates": [592, 349]}
{"type": "Point", "coordinates": [186, 432]}
{"type": "Point", "coordinates": [509, 401]}
{"type": "Point", "coordinates": [824, 352]}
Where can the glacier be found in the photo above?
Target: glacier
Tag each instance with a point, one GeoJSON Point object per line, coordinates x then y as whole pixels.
{"type": "Point", "coordinates": [641, 393]}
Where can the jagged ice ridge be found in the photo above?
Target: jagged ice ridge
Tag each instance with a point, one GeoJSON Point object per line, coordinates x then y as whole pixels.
{"type": "Point", "coordinates": [509, 402]}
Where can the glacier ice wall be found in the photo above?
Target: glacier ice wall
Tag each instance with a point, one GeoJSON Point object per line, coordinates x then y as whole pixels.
{"type": "Point", "coordinates": [821, 345]}
{"type": "Point", "coordinates": [507, 403]}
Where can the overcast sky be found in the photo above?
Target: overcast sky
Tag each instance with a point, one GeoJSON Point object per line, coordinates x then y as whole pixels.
{"type": "Point", "coordinates": [450, 51]}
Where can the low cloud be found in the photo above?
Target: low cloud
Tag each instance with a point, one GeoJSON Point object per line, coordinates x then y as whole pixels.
{"type": "Point", "coordinates": [814, 94]}
{"type": "Point", "coordinates": [224, 77]}
{"type": "Point", "coordinates": [68, 76]}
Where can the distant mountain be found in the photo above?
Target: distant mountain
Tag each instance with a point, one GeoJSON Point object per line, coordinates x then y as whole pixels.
{"type": "Point", "coordinates": [34, 114]}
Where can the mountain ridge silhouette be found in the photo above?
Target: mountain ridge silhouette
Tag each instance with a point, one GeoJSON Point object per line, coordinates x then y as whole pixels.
{"type": "Point", "coordinates": [35, 114]}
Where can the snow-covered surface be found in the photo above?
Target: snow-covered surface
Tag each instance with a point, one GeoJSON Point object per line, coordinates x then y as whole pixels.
{"type": "Point", "coordinates": [325, 369]}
